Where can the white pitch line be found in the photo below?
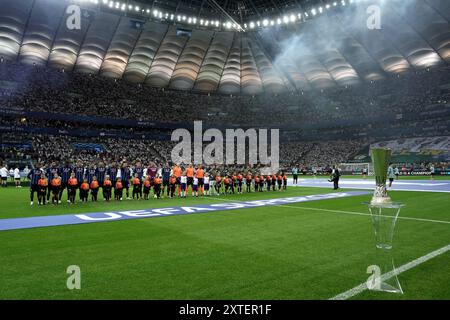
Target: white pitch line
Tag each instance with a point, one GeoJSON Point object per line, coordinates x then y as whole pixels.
{"type": "Point", "coordinates": [365, 214]}
{"type": "Point", "coordinates": [346, 212]}
{"type": "Point", "coordinates": [363, 286]}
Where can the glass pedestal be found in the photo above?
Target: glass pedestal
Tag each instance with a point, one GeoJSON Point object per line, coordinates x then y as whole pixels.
{"type": "Point", "coordinates": [384, 218]}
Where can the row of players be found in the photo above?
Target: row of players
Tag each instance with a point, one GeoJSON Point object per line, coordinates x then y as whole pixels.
{"type": "Point", "coordinates": [166, 179]}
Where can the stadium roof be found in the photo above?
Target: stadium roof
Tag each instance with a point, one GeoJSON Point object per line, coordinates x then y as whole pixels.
{"type": "Point", "coordinates": [334, 49]}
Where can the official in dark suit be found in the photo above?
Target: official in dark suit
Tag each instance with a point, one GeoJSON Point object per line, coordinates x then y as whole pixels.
{"type": "Point", "coordinates": [335, 175]}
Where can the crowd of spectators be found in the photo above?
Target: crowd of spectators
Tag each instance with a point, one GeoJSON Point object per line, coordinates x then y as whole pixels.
{"type": "Point", "coordinates": [80, 126]}
{"type": "Point", "coordinates": [331, 153]}
{"type": "Point", "coordinates": [309, 157]}
{"type": "Point", "coordinates": [47, 148]}
{"type": "Point", "coordinates": [44, 148]}
{"type": "Point", "coordinates": [49, 90]}
{"type": "Point", "coordinates": [334, 113]}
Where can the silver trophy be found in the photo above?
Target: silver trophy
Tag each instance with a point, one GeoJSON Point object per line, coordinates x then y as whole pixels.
{"type": "Point", "coordinates": [384, 213]}
{"type": "Point", "coordinates": [380, 161]}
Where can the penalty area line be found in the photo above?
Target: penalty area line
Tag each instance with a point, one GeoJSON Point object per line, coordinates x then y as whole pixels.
{"type": "Point", "coordinates": [363, 286]}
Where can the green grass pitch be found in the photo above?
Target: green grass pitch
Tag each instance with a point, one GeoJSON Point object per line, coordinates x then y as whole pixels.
{"type": "Point", "coordinates": [297, 251]}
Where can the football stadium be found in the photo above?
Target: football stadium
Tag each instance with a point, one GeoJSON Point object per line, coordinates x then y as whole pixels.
{"type": "Point", "coordinates": [225, 150]}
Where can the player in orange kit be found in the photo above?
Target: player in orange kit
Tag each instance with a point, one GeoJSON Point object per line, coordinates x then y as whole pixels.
{"type": "Point", "coordinates": [84, 191]}
{"type": "Point", "coordinates": [56, 188]}
{"type": "Point", "coordinates": [147, 186]}
{"type": "Point", "coordinates": [43, 186]}
{"type": "Point", "coordinates": [118, 189]}
{"type": "Point", "coordinates": [72, 185]}
{"type": "Point", "coordinates": [248, 181]}
{"type": "Point", "coordinates": [94, 186]}
{"type": "Point", "coordinates": [137, 191]}
{"type": "Point", "coordinates": [107, 188]}
{"type": "Point", "coordinates": [200, 174]}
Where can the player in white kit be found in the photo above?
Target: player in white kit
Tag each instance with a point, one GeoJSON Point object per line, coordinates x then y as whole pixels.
{"type": "Point", "coordinates": [183, 184]}
{"type": "Point", "coordinates": [206, 186]}
{"type": "Point", "coordinates": [195, 187]}
{"type": "Point", "coordinates": [17, 177]}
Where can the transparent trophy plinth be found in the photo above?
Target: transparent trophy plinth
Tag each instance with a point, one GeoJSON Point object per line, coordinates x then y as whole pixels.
{"type": "Point", "coordinates": [384, 219]}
